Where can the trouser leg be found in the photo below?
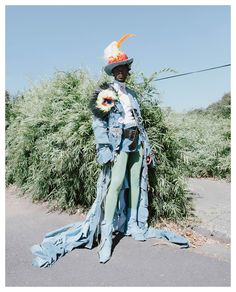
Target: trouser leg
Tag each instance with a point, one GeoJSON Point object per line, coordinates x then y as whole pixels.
{"type": "Point", "coordinates": [117, 178]}
{"type": "Point", "coordinates": [134, 164]}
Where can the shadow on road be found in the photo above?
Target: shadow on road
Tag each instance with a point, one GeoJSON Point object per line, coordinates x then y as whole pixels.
{"type": "Point", "coordinates": [116, 240]}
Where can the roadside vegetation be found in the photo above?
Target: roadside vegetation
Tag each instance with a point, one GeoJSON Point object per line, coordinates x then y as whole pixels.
{"type": "Point", "coordinates": [50, 150]}
{"type": "Point", "coordinates": [205, 139]}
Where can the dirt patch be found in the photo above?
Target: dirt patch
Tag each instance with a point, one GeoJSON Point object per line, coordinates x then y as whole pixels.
{"type": "Point", "coordinates": [184, 229]}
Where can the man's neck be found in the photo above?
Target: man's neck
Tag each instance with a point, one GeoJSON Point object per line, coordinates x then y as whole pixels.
{"type": "Point", "coordinates": [119, 82]}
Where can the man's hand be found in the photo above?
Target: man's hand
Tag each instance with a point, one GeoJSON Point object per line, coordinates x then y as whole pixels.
{"type": "Point", "coordinates": [149, 160]}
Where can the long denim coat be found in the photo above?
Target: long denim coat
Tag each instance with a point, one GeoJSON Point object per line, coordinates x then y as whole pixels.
{"type": "Point", "coordinates": [108, 137]}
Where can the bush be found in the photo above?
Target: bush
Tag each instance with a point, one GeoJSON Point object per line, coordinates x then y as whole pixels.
{"type": "Point", "coordinates": [51, 151]}
{"type": "Point", "coordinates": [204, 136]}
{"type": "Point", "coordinates": [8, 109]}
{"type": "Point", "coordinates": [222, 108]}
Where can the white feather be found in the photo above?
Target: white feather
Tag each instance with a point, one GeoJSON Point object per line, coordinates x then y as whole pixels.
{"type": "Point", "coordinates": [111, 51]}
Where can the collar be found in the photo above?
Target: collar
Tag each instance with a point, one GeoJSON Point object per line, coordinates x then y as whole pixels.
{"type": "Point", "coordinates": [119, 85]}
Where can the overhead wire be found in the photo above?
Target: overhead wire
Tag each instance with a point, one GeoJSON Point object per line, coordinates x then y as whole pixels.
{"type": "Point", "coordinates": [193, 72]}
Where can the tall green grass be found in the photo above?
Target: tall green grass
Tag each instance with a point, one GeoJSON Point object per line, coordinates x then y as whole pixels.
{"type": "Point", "coordinates": [50, 149]}
{"type": "Point", "coordinates": [205, 139]}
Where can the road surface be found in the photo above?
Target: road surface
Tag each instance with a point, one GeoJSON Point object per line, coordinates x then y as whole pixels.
{"type": "Point", "coordinates": [151, 263]}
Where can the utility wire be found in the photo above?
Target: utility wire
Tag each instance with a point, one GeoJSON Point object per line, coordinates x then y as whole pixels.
{"type": "Point", "coordinates": [178, 75]}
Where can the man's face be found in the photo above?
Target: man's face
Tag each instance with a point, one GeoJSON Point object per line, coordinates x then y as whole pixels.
{"type": "Point", "coordinates": [121, 72]}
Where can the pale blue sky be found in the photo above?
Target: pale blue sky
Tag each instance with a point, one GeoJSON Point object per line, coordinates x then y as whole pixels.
{"type": "Point", "coordinates": [43, 39]}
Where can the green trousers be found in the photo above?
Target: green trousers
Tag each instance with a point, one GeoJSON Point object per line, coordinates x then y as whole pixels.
{"type": "Point", "coordinates": [125, 160]}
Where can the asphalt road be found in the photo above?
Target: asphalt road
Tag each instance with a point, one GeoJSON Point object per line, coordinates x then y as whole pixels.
{"type": "Point", "coordinates": [150, 263]}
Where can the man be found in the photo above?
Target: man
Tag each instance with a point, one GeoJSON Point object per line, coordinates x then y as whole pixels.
{"type": "Point", "coordinates": [122, 143]}
{"type": "Point", "coordinates": [124, 151]}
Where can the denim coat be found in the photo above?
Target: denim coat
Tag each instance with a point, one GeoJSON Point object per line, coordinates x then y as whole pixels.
{"type": "Point", "coordinates": [108, 130]}
{"type": "Point", "coordinates": [108, 137]}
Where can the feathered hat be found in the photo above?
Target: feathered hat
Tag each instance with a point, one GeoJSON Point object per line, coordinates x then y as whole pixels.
{"type": "Point", "coordinates": [114, 56]}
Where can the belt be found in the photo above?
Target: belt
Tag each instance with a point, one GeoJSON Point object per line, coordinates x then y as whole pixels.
{"type": "Point", "coordinates": [131, 134]}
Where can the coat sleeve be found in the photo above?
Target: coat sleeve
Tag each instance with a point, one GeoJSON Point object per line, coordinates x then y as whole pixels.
{"type": "Point", "coordinates": [100, 130]}
{"type": "Point", "coordinates": [103, 145]}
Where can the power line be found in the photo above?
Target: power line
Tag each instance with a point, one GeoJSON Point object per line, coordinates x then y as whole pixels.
{"type": "Point", "coordinates": [193, 72]}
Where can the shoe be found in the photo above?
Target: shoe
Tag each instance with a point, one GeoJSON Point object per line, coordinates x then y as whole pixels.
{"type": "Point", "coordinates": [135, 231]}
{"type": "Point", "coordinates": [106, 242]}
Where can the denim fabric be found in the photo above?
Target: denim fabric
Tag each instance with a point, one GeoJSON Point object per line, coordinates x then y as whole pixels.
{"type": "Point", "coordinates": [125, 142]}
{"type": "Point", "coordinates": [79, 234]}
{"type": "Point", "coordinates": [104, 154]}
{"type": "Point", "coordinates": [108, 136]}
{"type": "Point", "coordinates": [109, 130]}
{"type": "Point", "coordinates": [82, 234]}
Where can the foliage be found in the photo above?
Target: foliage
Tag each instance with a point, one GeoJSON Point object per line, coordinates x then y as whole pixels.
{"type": "Point", "coordinates": [51, 151]}
{"type": "Point", "coordinates": [8, 108]}
{"type": "Point", "coordinates": [168, 195]}
{"type": "Point", "coordinates": [205, 139]}
{"type": "Point", "coordinates": [221, 108]}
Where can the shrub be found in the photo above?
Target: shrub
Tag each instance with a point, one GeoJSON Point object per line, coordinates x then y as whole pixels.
{"type": "Point", "coordinates": [222, 108]}
{"type": "Point", "coordinates": [204, 136]}
{"type": "Point", "coordinates": [51, 151]}
{"type": "Point", "coordinates": [8, 109]}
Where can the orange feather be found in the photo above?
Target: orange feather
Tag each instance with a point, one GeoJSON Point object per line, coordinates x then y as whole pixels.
{"type": "Point", "coordinates": [124, 38]}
